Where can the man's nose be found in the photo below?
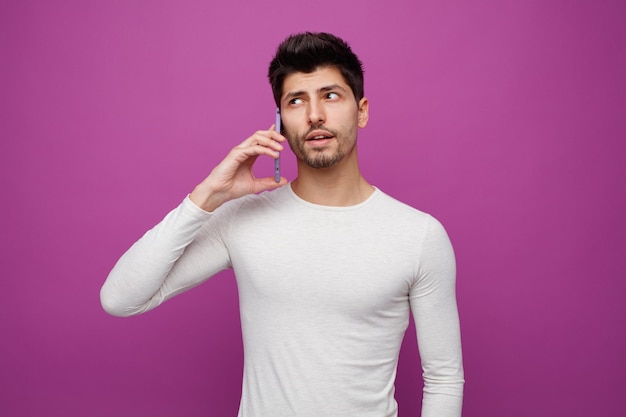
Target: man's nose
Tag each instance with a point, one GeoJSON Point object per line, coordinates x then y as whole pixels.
{"type": "Point", "coordinates": [316, 113]}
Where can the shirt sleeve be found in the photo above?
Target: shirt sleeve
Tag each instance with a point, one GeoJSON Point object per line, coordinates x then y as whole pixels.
{"type": "Point", "coordinates": [182, 251]}
{"type": "Point", "coordinates": [434, 307]}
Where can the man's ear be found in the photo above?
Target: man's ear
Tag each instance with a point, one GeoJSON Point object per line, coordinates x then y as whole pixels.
{"type": "Point", "coordinates": [363, 115]}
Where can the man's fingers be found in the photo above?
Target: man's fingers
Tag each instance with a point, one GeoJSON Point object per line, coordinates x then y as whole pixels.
{"type": "Point", "coordinates": [269, 138]}
{"type": "Point", "coordinates": [253, 150]}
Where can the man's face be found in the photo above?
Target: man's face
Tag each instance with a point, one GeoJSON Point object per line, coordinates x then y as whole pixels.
{"type": "Point", "coordinates": [321, 117]}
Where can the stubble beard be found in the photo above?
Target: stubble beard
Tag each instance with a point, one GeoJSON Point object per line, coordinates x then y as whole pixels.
{"type": "Point", "coordinates": [317, 158]}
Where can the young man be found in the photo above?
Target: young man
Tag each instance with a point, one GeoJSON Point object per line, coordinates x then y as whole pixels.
{"type": "Point", "coordinates": [328, 267]}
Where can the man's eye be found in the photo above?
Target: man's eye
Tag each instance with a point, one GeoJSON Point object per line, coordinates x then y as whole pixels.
{"type": "Point", "coordinates": [295, 101]}
{"type": "Point", "coordinates": [332, 96]}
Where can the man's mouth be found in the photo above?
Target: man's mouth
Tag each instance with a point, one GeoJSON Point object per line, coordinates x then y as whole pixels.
{"type": "Point", "coordinates": [319, 135]}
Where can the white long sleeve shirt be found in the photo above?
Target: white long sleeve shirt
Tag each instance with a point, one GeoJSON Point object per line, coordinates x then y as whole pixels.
{"type": "Point", "coordinates": [325, 297]}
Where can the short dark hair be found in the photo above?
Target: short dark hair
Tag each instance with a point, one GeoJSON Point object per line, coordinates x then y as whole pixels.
{"type": "Point", "coordinates": [306, 52]}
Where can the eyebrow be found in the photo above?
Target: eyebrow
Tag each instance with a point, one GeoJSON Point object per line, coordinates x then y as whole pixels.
{"type": "Point", "coordinates": [324, 89]}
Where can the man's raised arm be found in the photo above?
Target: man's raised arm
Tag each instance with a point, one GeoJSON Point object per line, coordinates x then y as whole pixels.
{"type": "Point", "coordinates": [184, 249]}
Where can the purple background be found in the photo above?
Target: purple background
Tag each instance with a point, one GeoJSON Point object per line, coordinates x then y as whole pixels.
{"type": "Point", "coordinates": [506, 120]}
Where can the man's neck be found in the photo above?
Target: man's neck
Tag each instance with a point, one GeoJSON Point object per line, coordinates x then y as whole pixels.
{"type": "Point", "coordinates": [340, 186]}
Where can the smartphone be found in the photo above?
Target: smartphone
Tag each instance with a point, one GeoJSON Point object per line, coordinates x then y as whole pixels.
{"type": "Point", "coordinates": [277, 160]}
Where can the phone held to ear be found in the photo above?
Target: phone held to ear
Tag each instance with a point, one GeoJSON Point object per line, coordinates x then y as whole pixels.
{"type": "Point", "coordinates": [277, 160]}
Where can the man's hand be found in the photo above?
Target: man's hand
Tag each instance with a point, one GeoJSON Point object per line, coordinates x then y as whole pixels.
{"type": "Point", "coordinates": [233, 178]}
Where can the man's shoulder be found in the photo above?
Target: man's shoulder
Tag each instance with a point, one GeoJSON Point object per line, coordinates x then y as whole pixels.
{"type": "Point", "coordinates": [406, 216]}
{"type": "Point", "coordinates": [396, 207]}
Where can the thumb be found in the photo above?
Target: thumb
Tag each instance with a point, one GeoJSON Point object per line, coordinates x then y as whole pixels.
{"type": "Point", "coordinates": [268, 183]}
